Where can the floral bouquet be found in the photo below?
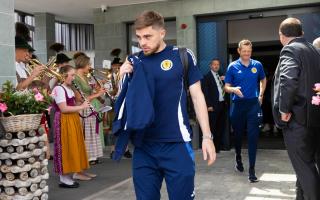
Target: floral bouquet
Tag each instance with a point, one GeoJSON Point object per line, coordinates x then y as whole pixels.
{"type": "Point", "coordinates": [14, 102]}
{"type": "Point", "coordinates": [22, 110]}
{"type": "Point", "coordinates": [316, 99]}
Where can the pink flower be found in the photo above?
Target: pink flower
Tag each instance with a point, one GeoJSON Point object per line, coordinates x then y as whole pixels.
{"type": "Point", "coordinates": [35, 90]}
{"type": "Point", "coordinates": [38, 97]}
{"type": "Point", "coordinates": [317, 87]}
{"type": "Point", "coordinates": [316, 100]}
{"type": "Point", "coordinates": [3, 107]}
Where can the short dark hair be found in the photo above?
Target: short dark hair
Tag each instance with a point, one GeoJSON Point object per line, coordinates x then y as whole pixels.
{"type": "Point", "coordinates": [291, 27]}
{"type": "Point", "coordinates": [149, 18]}
{"type": "Point", "coordinates": [213, 59]}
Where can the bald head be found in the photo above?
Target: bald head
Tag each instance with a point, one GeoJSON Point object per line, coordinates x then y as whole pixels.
{"type": "Point", "coordinates": [316, 42]}
{"type": "Point", "coordinates": [291, 27]}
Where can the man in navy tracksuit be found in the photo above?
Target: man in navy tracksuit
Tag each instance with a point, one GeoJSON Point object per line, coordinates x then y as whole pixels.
{"type": "Point", "coordinates": [242, 78]}
{"type": "Point", "coordinates": [166, 150]}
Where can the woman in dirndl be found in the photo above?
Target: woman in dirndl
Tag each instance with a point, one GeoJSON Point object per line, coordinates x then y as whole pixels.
{"type": "Point", "coordinates": [70, 154]}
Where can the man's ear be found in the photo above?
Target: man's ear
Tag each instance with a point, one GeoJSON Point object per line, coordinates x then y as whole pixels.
{"type": "Point", "coordinates": [238, 50]}
{"type": "Point", "coordinates": [162, 33]}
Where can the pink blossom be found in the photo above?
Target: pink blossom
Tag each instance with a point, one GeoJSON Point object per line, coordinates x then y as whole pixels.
{"type": "Point", "coordinates": [316, 100]}
{"type": "Point", "coordinates": [3, 107]}
{"type": "Point", "coordinates": [38, 97]}
{"type": "Point", "coordinates": [35, 90]}
{"type": "Point", "coordinates": [317, 87]}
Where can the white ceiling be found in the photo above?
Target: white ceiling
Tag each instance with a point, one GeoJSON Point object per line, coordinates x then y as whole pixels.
{"type": "Point", "coordinates": [78, 11]}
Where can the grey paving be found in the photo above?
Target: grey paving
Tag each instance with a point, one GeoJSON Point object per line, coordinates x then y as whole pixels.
{"type": "Point", "coordinates": [220, 181]}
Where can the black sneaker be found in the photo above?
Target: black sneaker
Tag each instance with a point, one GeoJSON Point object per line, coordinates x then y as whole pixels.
{"type": "Point", "coordinates": [111, 154]}
{"type": "Point", "coordinates": [127, 154]}
{"type": "Point", "coordinates": [239, 165]}
{"type": "Point", "coordinates": [252, 176]}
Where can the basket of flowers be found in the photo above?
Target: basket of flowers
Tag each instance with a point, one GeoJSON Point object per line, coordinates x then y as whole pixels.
{"type": "Point", "coordinates": [22, 110]}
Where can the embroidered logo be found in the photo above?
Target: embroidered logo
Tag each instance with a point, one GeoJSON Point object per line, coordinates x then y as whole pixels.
{"type": "Point", "coordinates": [254, 70]}
{"type": "Point", "coordinates": [166, 65]}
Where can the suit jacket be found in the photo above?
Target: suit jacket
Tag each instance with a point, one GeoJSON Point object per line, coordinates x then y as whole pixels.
{"type": "Point", "coordinates": [297, 72]}
{"type": "Point", "coordinates": [210, 90]}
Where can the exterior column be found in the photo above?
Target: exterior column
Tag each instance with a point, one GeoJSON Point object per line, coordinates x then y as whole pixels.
{"type": "Point", "coordinates": [44, 35]}
{"type": "Point", "coordinates": [7, 46]}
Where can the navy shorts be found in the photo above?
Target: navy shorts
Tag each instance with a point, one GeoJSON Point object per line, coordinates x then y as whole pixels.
{"type": "Point", "coordinates": [154, 161]}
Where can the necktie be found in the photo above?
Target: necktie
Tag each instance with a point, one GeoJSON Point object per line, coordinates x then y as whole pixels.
{"type": "Point", "coordinates": [221, 84]}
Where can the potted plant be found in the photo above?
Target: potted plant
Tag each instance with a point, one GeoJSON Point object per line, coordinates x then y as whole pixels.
{"type": "Point", "coordinates": [22, 110]}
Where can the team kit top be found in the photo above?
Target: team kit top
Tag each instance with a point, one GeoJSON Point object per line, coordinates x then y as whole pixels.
{"type": "Point", "coordinates": [246, 78]}
{"type": "Point", "coordinates": [171, 123]}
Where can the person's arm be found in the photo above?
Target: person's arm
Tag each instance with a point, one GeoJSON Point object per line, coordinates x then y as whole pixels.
{"type": "Point", "coordinates": [263, 84]}
{"type": "Point", "coordinates": [59, 96]}
{"type": "Point", "coordinates": [200, 108]}
{"type": "Point", "coordinates": [289, 81]}
{"type": "Point", "coordinates": [25, 83]}
{"type": "Point", "coordinates": [229, 89]}
{"type": "Point", "coordinates": [100, 92]}
{"type": "Point", "coordinates": [206, 91]}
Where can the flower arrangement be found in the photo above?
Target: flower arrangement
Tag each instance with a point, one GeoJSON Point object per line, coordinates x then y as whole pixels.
{"type": "Point", "coordinates": [14, 102]}
{"type": "Point", "coordinates": [316, 99]}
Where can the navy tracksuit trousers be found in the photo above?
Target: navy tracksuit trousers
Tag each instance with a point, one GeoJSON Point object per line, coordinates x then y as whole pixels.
{"type": "Point", "coordinates": [245, 116]}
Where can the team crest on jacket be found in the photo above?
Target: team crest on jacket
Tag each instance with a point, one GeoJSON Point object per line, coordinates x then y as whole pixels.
{"type": "Point", "coordinates": [166, 65]}
{"type": "Point", "coordinates": [254, 70]}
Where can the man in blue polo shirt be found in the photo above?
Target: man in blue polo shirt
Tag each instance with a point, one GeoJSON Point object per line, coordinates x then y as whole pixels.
{"type": "Point", "coordinates": [166, 151]}
{"type": "Point", "coordinates": [242, 78]}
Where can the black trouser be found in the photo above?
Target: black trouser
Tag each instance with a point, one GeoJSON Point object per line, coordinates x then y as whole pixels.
{"type": "Point", "coordinates": [217, 123]}
{"type": "Point", "coordinates": [303, 148]}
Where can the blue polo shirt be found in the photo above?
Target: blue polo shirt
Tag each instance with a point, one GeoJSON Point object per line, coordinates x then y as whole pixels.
{"type": "Point", "coordinates": [171, 123]}
{"type": "Point", "coordinates": [247, 78]}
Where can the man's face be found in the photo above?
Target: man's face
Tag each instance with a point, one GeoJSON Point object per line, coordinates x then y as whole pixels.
{"type": "Point", "coordinates": [215, 65]}
{"type": "Point", "coordinates": [150, 39]}
{"type": "Point", "coordinates": [22, 55]}
{"type": "Point", "coordinates": [245, 52]}
{"type": "Point", "coordinates": [29, 56]}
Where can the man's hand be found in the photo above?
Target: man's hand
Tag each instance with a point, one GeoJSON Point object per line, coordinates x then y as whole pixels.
{"type": "Point", "coordinates": [237, 91]}
{"type": "Point", "coordinates": [37, 70]}
{"type": "Point", "coordinates": [210, 109]}
{"type": "Point", "coordinates": [260, 99]}
{"type": "Point", "coordinates": [209, 151]}
{"type": "Point", "coordinates": [285, 117]}
{"type": "Point", "coordinates": [126, 67]}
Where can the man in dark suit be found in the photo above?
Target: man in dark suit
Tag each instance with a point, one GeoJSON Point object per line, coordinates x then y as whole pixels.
{"type": "Point", "coordinates": [212, 86]}
{"type": "Point", "coordinates": [297, 72]}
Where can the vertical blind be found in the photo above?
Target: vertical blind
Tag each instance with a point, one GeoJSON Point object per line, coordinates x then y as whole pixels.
{"type": "Point", "coordinates": [75, 37]}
